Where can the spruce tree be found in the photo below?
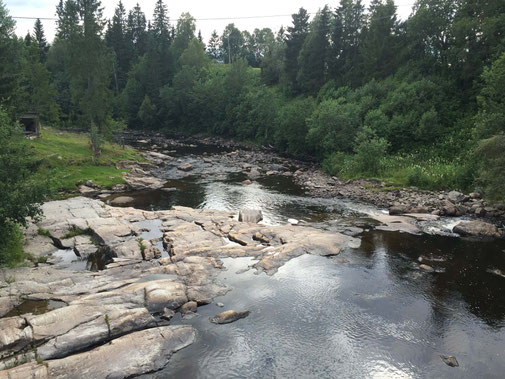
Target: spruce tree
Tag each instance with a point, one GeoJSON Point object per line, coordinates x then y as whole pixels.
{"type": "Point", "coordinates": [137, 31]}
{"type": "Point", "coordinates": [295, 38]}
{"type": "Point", "coordinates": [314, 54]}
{"type": "Point", "coordinates": [213, 47]}
{"type": "Point", "coordinates": [40, 39]}
{"type": "Point", "coordinates": [117, 39]}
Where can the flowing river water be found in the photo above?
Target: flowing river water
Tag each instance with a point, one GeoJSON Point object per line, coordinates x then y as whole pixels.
{"type": "Point", "coordinates": [368, 312]}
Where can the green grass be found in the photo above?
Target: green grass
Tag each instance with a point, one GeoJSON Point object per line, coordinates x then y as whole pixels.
{"type": "Point", "coordinates": [400, 171]}
{"type": "Point", "coordinates": [67, 160]}
{"type": "Point", "coordinates": [74, 232]}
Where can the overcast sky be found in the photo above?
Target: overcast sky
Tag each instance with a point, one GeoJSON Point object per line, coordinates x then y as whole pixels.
{"type": "Point", "coordinates": [199, 9]}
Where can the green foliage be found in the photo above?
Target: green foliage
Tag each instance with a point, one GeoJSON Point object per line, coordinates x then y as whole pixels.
{"type": "Point", "coordinates": [20, 193]}
{"type": "Point", "coordinates": [333, 126]}
{"type": "Point", "coordinates": [292, 127]}
{"type": "Point", "coordinates": [75, 231]}
{"type": "Point", "coordinates": [11, 246]}
{"type": "Point", "coordinates": [43, 232]}
{"type": "Point", "coordinates": [369, 152]}
{"type": "Point", "coordinates": [491, 153]}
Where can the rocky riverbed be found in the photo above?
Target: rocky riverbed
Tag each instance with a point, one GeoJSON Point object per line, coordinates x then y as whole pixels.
{"type": "Point", "coordinates": [111, 279]}
{"type": "Point", "coordinates": [124, 310]}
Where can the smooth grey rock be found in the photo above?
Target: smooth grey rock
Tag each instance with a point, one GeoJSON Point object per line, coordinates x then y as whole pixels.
{"type": "Point", "coordinates": [228, 317]}
{"type": "Point", "coordinates": [455, 196]}
{"type": "Point", "coordinates": [132, 355]}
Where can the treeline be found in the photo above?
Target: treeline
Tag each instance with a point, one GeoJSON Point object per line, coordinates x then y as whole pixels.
{"type": "Point", "coordinates": [416, 101]}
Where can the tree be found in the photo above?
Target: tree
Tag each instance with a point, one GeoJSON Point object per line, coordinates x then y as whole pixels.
{"type": "Point", "coordinates": [147, 113]}
{"type": "Point", "coordinates": [90, 68]}
{"type": "Point", "coordinates": [213, 47]}
{"type": "Point", "coordinates": [346, 40]}
{"type": "Point", "coordinates": [161, 22]}
{"type": "Point", "coordinates": [136, 31]}
{"type": "Point", "coordinates": [313, 59]}
{"type": "Point", "coordinates": [232, 43]}
{"type": "Point", "coordinates": [10, 57]}
{"type": "Point", "coordinates": [68, 19]}
{"type": "Point", "coordinates": [40, 39]}
{"type": "Point", "coordinates": [36, 92]}
{"type": "Point", "coordinates": [20, 193]}
{"type": "Point", "coordinates": [295, 38]}
{"type": "Point", "coordinates": [117, 38]}
{"type": "Point", "coordinates": [184, 33]}
{"type": "Point", "coordinates": [380, 42]}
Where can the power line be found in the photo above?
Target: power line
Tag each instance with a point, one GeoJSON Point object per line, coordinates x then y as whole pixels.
{"type": "Point", "coordinates": [198, 19]}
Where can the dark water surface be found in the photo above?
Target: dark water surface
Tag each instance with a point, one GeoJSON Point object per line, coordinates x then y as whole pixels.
{"type": "Point", "coordinates": [370, 312]}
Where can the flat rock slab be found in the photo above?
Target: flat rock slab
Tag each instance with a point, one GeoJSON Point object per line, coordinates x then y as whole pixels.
{"type": "Point", "coordinates": [131, 355]}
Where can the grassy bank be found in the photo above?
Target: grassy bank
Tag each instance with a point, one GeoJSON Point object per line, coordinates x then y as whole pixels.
{"type": "Point", "coordinates": [67, 160]}
{"type": "Point", "coordinates": [422, 171]}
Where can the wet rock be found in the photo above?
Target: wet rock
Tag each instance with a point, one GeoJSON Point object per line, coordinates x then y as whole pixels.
{"type": "Point", "coordinates": [477, 229]}
{"type": "Point", "coordinates": [139, 181]}
{"type": "Point", "coordinates": [122, 200]}
{"type": "Point", "coordinates": [189, 307]}
{"type": "Point", "coordinates": [228, 317]}
{"type": "Point", "coordinates": [87, 191]}
{"type": "Point", "coordinates": [475, 195]}
{"type": "Point", "coordinates": [250, 215]}
{"type": "Point", "coordinates": [185, 167]}
{"type": "Point", "coordinates": [426, 268]}
{"type": "Point", "coordinates": [293, 221]}
{"type": "Point", "coordinates": [247, 182]}
{"type": "Point", "coordinates": [449, 360]}
{"type": "Point", "coordinates": [220, 305]}
{"type": "Point", "coordinates": [497, 272]}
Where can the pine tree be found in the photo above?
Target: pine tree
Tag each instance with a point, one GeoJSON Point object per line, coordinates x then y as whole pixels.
{"type": "Point", "coordinates": [68, 19]}
{"type": "Point", "coordinates": [314, 54]}
{"type": "Point", "coordinates": [346, 41]}
{"type": "Point", "coordinates": [10, 56]}
{"type": "Point", "coordinates": [380, 42]}
{"type": "Point", "coordinates": [213, 47]}
{"type": "Point", "coordinates": [161, 22]}
{"type": "Point", "coordinates": [40, 39]}
{"type": "Point", "coordinates": [296, 35]}
{"type": "Point", "coordinates": [90, 68]}
{"type": "Point", "coordinates": [137, 32]}
{"type": "Point", "coordinates": [117, 39]}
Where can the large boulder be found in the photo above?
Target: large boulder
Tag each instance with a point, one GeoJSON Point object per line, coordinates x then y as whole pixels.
{"type": "Point", "coordinates": [250, 215]}
{"type": "Point", "coordinates": [477, 229]}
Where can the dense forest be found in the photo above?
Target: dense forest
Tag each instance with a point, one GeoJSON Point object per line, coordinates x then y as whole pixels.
{"type": "Point", "coordinates": [418, 101]}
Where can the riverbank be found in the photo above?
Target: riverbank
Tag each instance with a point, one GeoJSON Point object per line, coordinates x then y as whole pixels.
{"type": "Point", "coordinates": [66, 160]}
{"type": "Point", "coordinates": [256, 162]}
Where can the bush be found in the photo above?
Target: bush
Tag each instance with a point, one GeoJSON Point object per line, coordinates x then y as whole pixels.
{"type": "Point", "coordinates": [492, 170]}
{"type": "Point", "coordinates": [11, 246]}
{"type": "Point", "coordinates": [20, 193]}
{"type": "Point", "coordinates": [369, 152]}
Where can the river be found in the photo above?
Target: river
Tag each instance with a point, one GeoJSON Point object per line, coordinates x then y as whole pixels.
{"type": "Point", "coordinates": [368, 312]}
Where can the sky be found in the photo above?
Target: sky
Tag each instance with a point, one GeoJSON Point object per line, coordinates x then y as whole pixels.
{"type": "Point", "coordinates": [233, 10]}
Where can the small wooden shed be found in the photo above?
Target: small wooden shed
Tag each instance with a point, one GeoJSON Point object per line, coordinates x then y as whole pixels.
{"type": "Point", "coordinates": [31, 123]}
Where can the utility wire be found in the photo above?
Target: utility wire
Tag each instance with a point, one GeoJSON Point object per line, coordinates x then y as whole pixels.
{"type": "Point", "coordinates": [199, 19]}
